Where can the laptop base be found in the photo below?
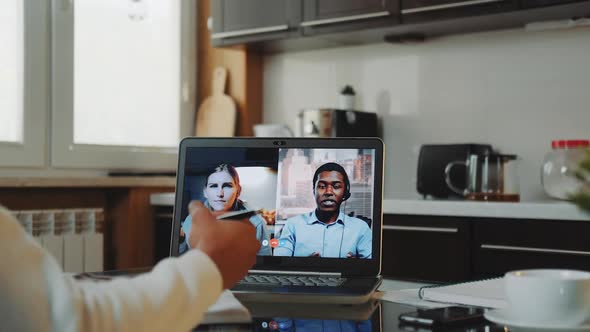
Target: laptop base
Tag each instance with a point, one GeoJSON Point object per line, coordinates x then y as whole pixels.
{"type": "Point", "coordinates": [354, 291]}
{"type": "Point", "coordinates": [321, 311]}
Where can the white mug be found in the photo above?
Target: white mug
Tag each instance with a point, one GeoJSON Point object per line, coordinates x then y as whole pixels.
{"type": "Point", "coordinates": [551, 297]}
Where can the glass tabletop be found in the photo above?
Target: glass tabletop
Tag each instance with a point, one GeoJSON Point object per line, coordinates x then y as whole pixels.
{"type": "Point", "coordinates": [375, 316]}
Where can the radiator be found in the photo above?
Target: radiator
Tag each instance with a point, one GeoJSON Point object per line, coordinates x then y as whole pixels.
{"type": "Point", "coordinates": [74, 237]}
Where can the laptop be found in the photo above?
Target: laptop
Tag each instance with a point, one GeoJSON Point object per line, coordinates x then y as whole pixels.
{"type": "Point", "coordinates": [320, 225]}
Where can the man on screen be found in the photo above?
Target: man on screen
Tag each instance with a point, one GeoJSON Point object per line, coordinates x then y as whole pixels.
{"type": "Point", "coordinates": [326, 232]}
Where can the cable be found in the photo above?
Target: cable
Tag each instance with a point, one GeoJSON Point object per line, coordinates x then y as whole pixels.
{"type": "Point", "coordinates": [343, 229]}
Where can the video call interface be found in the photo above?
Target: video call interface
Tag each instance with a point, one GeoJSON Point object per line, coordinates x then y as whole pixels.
{"type": "Point", "coordinates": [290, 325]}
{"type": "Point", "coordinates": [311, 202]}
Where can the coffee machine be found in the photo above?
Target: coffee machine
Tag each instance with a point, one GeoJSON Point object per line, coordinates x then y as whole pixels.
{"type": "Point", "coordinates": [432, 161]}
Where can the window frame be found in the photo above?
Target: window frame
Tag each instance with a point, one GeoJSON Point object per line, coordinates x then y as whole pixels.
{"type": "Point", "coordinates": [64, 152]}
{"type": "Point", "coordinates": [31, 152]}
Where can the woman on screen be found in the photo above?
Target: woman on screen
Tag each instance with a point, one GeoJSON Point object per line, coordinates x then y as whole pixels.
{"type": "Point", "coordinates": [222, 193]}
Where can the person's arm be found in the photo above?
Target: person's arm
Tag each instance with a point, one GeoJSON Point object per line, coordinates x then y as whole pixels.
{"type": "Point", "coordinates": [261, 234]}
{"type": "Point", "coordinates": [35, 294]}
{"type": "Point", "coordinates": [365, 244]}
{"type": "Point", "coordinates": [186, 228]}
{"type": "Point", "coordinates": [286, 241]}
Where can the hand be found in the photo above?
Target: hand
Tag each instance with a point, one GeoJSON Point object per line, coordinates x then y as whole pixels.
{"type": "Point", "coordinates": [269, 216]}
{"type": "Point", "coordinates": [351, 255]}
{"type": "Point", "coordinates": [315, 254]}
{"type": "Point", "coordinates": [231, 244]}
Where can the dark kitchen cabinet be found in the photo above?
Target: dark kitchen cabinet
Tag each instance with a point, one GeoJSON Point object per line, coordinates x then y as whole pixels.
{"type": "Point", "coordinates": [501, 245]}
{"type": "Point", "coordinates": [239, 21]}
{"type": "Point", "coordinates": [426, 248]}
{"type": "Point", "coordinates": [163, 220]}
{"type": "Point", "coordinates": [326, 16]}
{"type": "Point", "coordinates": [542, 3]}
{"type": "Point", "coordinates": [443, 249]}
{"type": "Point", "coordinates": [418, 11]}
{"type": "Point", "coordinates": [290, 25]}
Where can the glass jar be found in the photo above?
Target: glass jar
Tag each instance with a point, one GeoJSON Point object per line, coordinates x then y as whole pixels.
{"type": "Point", "coordinates": [559, 166]}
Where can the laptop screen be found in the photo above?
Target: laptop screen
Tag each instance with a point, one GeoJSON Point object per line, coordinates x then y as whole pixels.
{"type": "Point", "coordinates": [313, 202]}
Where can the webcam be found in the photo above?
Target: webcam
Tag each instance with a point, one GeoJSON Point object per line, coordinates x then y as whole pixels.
{"type": "Point", "coordinates": [279, 143]}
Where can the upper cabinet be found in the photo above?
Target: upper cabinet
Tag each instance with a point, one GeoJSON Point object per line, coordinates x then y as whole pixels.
{"type": "Point", "coordinates": [541, 3]}
{"type": "Point", "coordinates": [325, 16]}
{"type": "Point", "coordinates": [239, 21]}
{"type": "Point", "coordinates": [283, 25]}
{"type": "Point", "coordinates": [432, 10]}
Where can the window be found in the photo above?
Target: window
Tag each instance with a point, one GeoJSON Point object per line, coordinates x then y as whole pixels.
{"type": "Point", "coordinates": [11, 71]}
{"type": "Point", "coordinates": [23, 82]}
{"type": "Point", "coordinates": [128, 80]}
{"type": "Point", "coordinates": [123, 74]}
{"type": "Point", "coordinates": [116, 78]}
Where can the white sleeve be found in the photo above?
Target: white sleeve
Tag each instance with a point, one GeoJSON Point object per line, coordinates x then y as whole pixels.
{"type": "Point", "coordinates": [35, 294]}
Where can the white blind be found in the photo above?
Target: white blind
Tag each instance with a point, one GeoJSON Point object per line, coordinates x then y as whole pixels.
{"type": "Point", "coordinates": [127, 57]}
{"type": "Point", "coordinates": [11, 70]}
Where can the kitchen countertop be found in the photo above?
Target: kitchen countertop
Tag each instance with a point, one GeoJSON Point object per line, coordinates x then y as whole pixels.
{"type": "Point", "coordinates": [522, 210]}
{"type": "Point", "coordinates": [88, 182]}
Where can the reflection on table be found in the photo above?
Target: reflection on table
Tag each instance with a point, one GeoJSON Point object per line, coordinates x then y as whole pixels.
{"type": "Point", "coordinates": [374, 316]}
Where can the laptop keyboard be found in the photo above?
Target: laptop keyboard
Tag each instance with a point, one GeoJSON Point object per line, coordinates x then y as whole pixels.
{"type": "Point", "coordinates": [291, 280]}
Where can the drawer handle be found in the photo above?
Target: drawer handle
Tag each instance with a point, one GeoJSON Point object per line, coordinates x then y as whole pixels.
{"type": "Point", "coordinates": [446, 6]}
{"type": "Point", "coordinates": [541, 250]}
{"type": "Point", "coordinates": [344, 19]}
{"type": "Point", "coordinates": [246, 32]}
{"type": "Point", "coordinates": [420, 229]}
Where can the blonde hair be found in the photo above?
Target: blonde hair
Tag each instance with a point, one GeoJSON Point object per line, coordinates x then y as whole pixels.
{"type": "Point", "coordinates": [230, 169]}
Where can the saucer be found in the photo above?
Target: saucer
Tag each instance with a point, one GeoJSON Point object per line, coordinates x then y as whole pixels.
{"type": "Point", "coordinates": [504, 317]}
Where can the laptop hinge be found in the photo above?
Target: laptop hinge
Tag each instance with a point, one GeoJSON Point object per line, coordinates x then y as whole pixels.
{"type": "Point", "coordinates": [324, 274]}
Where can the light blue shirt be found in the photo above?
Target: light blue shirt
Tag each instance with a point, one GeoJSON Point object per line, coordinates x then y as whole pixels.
{"type": "Point", "coordinates": [304, 234]}
{"type": "Point", "coordinates": [256, 220]}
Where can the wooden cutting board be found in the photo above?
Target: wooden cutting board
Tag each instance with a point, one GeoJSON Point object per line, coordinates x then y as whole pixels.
{"type": "Point", "coordinates": [216, 116]}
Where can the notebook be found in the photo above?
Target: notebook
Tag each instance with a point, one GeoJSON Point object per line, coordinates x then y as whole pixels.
{"type": "Point", "coordinates": [487, 293]}
{"type": "Point", "coordinates": [321, 201]}
{"type": "Point", "coordinates": [227, 310]}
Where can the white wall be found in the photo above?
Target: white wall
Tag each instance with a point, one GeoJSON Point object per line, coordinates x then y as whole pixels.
{"type": "Point", "coordinates": [514, 89]}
